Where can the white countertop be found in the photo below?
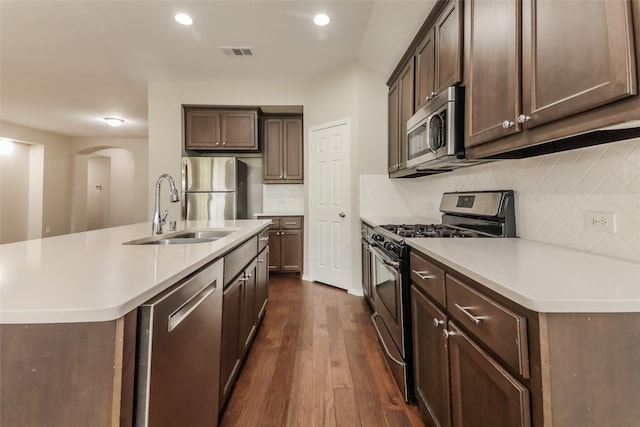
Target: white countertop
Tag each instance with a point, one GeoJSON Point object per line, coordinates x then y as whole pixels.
{"type": "Point", "coordinates": [279, 213]}
{"type": "Point", "coordinates": [541, 277]}
{"type": "Point", "coordinates": [92, 276]}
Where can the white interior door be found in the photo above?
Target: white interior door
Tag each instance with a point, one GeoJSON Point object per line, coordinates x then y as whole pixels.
{"type": "Point", "coordinates": [329, 198]}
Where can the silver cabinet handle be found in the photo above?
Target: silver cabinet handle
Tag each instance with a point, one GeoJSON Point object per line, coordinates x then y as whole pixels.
{"type": "Point", "coordinates": [507, 124]}
{"type": "Point", "coordinates": [186, 309]}
{"type": "Point", "coordinates": [260, 260]}
{"type": "Point", "coordinates": [421, 274]}
{"type": "Point", "coordinates": [263, 239]}
{"type": "Point", "coordinates": [447, 334]}
{"type": "Point", "coordinates": [523, 119]}
{"type": "Point", "coordinates": [247, 275]}
{"type": "Point", "coordinates": [437, 322]}
{"type": "Point", "coordinates": [473, 318]}
{"type": "Point", "coordinates": [291, 223]}
{"type": "Point", "coordinates": [341, 215]}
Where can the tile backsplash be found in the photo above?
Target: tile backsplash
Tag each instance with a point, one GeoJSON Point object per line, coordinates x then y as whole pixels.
{"type": "Point", "coordinates": [282, 198]}
{"type": "Point", "coordinates": [553, 192]}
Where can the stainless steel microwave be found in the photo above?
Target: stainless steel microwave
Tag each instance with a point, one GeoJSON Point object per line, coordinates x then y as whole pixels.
{"type": "Point", "coordinates": [435, 137]}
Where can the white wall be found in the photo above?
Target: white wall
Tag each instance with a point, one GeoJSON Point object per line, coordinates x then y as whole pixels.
{"type": "Point", "coordinates": [98, 192]}
{"type": "Point", "coordinates": [129, 179]}
{"type": "Point", "coordinates": [56, 175]}
{"type": "Point", "coordinates": [552, 194]}
{"type": "Point", "coordinates": [14, 194]}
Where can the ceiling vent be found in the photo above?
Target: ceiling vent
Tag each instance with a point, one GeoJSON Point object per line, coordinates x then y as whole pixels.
{"type": "Point", "coordinates": [237, 51]}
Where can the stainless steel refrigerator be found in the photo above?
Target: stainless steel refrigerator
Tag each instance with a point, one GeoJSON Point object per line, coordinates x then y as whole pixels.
{"type": "Point", "coordinates": [214, 188]}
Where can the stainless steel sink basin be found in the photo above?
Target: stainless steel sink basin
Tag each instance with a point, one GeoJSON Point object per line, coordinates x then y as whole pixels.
{"type": "Point", "coordinates": [185, 237]}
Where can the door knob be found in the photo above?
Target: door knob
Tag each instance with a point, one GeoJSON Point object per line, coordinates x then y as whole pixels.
{"type": "Point", "coordinates": [341, 215]}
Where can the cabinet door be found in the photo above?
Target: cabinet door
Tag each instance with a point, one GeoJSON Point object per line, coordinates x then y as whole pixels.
{"type": "Point", "coordinates": [262, 282]}
{"type": "Point", "coordinates": [202, 129]}
{"type": "Point", "coordinates": [272, 150]}
{"type": "Point", "coordinates": [430, 360]}
{"type": "Point", "coordinates": [425, 70]}
{"type": "Point", "coordinates": [230, 344]}
{"type": "Point", "coordinates": [291, 251]}
{"type": "Point", "coordinates": [248, 306]}
{"type": "Point", "coordinates": [407, 108]}
{"type": "Point", "coordinates": [492, 30]}
{"type": "Point", "coordinates": [275, 243]}
{"type": "Point", "coordinates": [483, 394]}
{"type": "Point", "coordinates": [576, 55]}
{"type": "Point", "coordinates": [292, 150]}
{"type": "Point", "coordinates": [239, 130]}
{"type": "Point", "coordinates": [394, 127]}
{"type": "Point", "coordinates": [448, 47]}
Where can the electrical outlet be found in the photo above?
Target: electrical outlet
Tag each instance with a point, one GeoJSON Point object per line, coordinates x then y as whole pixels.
{"type": "Point", "coordinates": [604, 222]}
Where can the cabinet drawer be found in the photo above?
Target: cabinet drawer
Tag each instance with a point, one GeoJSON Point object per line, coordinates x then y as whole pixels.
{"type": "Point", "coordinates": [501, 330]}
{"type": "Point", "coordinates": [236, 260]}
{"type": "Point", "coordinates": [427, 277]}
{"type": "Point", "coordinates": [275, 223]}
{"type": "Point", "coordinates": [291, 223]}
{"type": "Point", "coordinates": [263, 240]}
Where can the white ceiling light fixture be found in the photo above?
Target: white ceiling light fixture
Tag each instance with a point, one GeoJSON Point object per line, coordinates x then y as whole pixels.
{"type": "Point", "coordinates": [114, 121]}
{"type": "Point", "coordinates": [6, 146]}
{"type": "Point", "coordinates": [184, 19]}
{"type": "Point", "coordinates": [321, 19]}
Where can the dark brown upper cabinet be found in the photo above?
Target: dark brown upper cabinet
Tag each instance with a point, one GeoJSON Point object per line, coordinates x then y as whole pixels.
{"type": "Point", "coordinates": [282, 160]}
{"type": "Point", "coordinates": [215, 129]}
{"type": "Point", "coordinates": [438, 56]}
{"type": "Point", "coordinates": [539, 72]}
{"type": "Point", "coordinates": [432, 63]}
{"type": "Point", "coordinates": [405, 108]}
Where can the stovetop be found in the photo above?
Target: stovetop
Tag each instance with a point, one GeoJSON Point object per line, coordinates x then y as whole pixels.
{"type": "Point", "coordinates": [429, 230]}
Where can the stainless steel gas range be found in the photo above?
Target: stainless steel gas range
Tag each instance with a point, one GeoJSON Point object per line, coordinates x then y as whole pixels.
{"type": "Point", "coordinates": [483, 214]}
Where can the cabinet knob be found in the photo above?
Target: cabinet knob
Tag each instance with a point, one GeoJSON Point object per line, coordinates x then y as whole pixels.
{"type": "Point", "coordinates": [285, 175]}
{"type": "Point", "coordinates": [437, 322]}
{"type": "Point", "coordinates": [260, 260]}
{"type": "Point", "coordinates": [224, 143]}
{"type": "Point", "coordinates": [523, 119]}
{"type": "Point", "coordinates": [507, 124]}
{"type": "Point", "coordinates": [447, 334]}
{"type": "Point", "coordinates": [342, 215]}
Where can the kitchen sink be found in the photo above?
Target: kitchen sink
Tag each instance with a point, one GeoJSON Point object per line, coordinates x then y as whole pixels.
{"type": "Point", "coordinates": [182, 237]}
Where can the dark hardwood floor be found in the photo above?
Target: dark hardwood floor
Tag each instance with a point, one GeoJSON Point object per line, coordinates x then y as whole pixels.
{"type": "Point", "coordinates": [315, 361]}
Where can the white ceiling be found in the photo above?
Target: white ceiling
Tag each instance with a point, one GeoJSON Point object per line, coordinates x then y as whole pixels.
{"type": "Point", "coordinates": [67, 64]}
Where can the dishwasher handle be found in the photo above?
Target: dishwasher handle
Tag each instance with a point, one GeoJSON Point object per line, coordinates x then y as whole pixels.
{"type": "Point", "coordinates": [188, 307]}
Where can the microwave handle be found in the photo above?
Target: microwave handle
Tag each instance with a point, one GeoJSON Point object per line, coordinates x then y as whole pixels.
{"type": "Point", "coordinates": [428, 123]}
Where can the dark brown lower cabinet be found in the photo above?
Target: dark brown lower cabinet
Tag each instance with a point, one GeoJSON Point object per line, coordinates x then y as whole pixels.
{"type": "Point", "coordinates": [431, 355]}
{"type": "Point", "coordinates": [483, 394]}
{"type": "Point", "coordinates": [286, 243]}
{"type": "Point", "coordinates": [249, 312]}
{"type": "Point", "coordinates": [262, 281]}
{"type": "Point", "coordinates": [230, 345]}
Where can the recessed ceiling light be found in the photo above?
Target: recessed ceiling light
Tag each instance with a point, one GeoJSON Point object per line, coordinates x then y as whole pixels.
{"type": "Point", "coordinates": [114, 121]}
{"type": "Point", "coordinates": [321, 19]}
{"type": "Point", "coordinates": [184, 19]}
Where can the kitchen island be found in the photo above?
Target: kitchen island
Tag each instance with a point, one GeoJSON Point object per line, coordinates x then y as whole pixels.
{"type": "Point", "coordinates": [68, 308]}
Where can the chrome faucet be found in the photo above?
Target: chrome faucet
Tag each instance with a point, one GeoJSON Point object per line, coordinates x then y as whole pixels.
{"type": "Point", "coordinates": [160, 219]}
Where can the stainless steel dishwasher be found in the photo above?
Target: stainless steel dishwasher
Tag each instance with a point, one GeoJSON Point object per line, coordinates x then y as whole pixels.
{"type": "Point", "coordinates": [178, 370]}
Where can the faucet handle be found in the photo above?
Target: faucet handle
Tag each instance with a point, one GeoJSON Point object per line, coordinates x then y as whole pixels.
{"type": "Point", "coordinates": [163, 218]}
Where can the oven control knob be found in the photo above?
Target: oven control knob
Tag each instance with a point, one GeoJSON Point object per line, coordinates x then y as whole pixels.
{"type": "Point", "coordinates": [377, 237]}
{"type": "Point", "coordinates": [390, 246]}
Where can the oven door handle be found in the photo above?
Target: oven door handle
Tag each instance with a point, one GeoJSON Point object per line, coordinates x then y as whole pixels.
{"type": "Point", "coordinates": [386, 260]}
{"type": "Point", "coordinates": [384, 344]}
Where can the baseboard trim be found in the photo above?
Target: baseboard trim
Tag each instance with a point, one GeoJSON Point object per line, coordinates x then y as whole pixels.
{"type": "Point", "coordinates": [356, 292]}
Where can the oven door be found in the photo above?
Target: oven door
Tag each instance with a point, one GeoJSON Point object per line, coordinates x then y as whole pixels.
{"type": "Point", "coordinates": [387, 300]}
{"type": "Point", "coordinates": [387, 316]}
